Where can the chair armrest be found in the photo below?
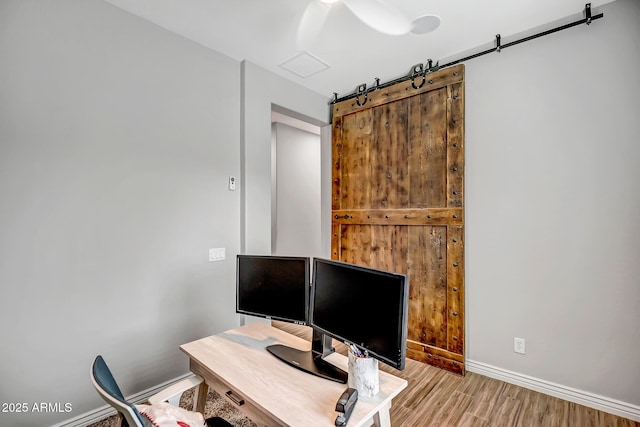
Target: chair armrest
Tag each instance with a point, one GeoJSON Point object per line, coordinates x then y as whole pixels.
{"type": "Point", "coordinates": [176, 389]}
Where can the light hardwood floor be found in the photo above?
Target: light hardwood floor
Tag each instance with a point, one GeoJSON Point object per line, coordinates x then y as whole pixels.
{"type": "Point", "coordinates": [438, 398]}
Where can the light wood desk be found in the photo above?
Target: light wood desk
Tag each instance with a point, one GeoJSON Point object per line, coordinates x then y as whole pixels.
{"type": "Point", "coordinates": [273, 392]}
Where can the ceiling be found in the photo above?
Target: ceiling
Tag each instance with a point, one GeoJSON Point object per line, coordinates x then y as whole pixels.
{"type": "Point", "coordinates": [264, 32]}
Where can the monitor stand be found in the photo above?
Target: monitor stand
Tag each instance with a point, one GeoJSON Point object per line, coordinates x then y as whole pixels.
{"type": "Point", "coordinates": [311, 361]}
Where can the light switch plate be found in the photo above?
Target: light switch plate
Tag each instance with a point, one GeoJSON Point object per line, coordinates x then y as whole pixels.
{"type": "Point", "coordinates": [216, 254]}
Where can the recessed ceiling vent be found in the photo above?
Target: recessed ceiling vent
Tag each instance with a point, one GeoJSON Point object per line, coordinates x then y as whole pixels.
{"type": "Point", "coordinates": [304, 65]}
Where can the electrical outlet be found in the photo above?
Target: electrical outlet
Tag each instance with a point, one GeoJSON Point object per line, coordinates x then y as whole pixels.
{"type": "Point", "coordinates": [518, 345]}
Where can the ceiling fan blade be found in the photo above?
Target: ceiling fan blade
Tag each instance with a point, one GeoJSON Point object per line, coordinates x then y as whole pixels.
{"type": "Point", "coordinates": [311, 24]}
{"type": "Point", "coordinates": [380, 16]}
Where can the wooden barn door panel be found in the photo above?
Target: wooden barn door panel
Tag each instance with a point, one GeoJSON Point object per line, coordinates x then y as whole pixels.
{"type": "Point", "coordinates": [390, 181]}
{"type": "Point", "coordinates": [398, 202]}
{"type": "Point", "coordinates": [356, 177]}
{"type": "Point", "coordinates": [428, 301]}
{"type": "Point", "coordinates": [428, 149]}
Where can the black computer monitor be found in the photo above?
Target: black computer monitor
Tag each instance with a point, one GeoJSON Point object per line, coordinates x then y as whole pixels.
{"type": "Point", "coordinates": [361, 306]}
{"type": "Point", "coordinates": [277, 287]}
{"type": "Point", "coordinates": [356, 305]}
{"type": "Point", "coordinates": [273, 287]}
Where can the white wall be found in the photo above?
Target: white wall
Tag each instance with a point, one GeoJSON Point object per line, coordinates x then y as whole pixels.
{"type": "Point", "coordinates": [553, 206]}
{"type": "Point", "coordinates": [297, 196]}
{"type": "Point", "coordinates": [116, 141]}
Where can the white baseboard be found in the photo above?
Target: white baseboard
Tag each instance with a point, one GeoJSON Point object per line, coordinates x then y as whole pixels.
{"type": "Point", "coordinates": [105, 411]}
{"type": "Point", "coordinates": [581, 397]}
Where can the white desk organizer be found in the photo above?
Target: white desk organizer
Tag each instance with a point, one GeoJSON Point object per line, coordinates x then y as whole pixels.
{"type": "Point", "coordinates": [363, 375]}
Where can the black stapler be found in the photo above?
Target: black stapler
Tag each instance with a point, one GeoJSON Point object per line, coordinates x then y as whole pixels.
{"type": "Point", "coordinates": [345, 406]}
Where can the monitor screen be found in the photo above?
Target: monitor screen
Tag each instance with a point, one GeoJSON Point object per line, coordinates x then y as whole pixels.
{"type": "Point", "coordinates": [361, 306]}
{"type": "Point", "coordinates": [274, 287]}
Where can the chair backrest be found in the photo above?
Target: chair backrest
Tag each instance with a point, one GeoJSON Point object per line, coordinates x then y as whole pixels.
{"type": "Point", "coordinates": [107, 387]}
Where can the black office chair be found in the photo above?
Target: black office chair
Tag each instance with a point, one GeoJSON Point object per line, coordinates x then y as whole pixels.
{"type": "Point", "coordinates": [108, 389]}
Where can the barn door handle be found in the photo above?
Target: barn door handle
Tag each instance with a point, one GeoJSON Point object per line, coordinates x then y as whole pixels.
{"type": "Point", "coordinates": [345, 216]}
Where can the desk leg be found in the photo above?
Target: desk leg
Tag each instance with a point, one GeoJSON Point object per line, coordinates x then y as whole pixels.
{"type": "Point", "coordinates": [382, 418]}
{"type": "Point", "coordinates": [200, 397]}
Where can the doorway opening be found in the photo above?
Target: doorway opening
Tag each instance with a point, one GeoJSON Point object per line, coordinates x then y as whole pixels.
{"type": "Point", "coordinates": [299, 207]}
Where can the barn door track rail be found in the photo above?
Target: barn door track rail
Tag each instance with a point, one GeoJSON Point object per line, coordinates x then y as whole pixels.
{"type": "Point", "coordinates": [418, 74]}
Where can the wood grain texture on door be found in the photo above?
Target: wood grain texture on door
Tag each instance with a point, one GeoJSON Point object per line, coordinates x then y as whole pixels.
{"type": "Point", "coordinates": [398, 201]}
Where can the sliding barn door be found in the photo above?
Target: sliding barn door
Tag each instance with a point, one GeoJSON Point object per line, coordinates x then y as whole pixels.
{"type": "Point", "coordinates": [398, 201]}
